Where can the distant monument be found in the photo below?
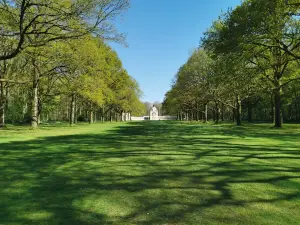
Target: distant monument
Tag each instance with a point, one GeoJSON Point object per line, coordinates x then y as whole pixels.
{"type": "Point", "coordinates": [154, 113]}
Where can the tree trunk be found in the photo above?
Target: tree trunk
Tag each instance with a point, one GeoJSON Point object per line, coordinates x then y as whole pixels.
{"type": "Point", "coordinates": [222, 112]}
{"type": "Point", "coordinates": [24, 109]}
{"type": "Point", "coordinates": [95, 116]}
{"type": "Point", "coordinates": [35, 101]}
{"type": "Point", "coordinates": [250, 112]}
{"type": "Point", "coordinates": [40, 107]}
{"type": "Point", "coordinates": [217, 113]}
{"type": "Point", "coordinates": [272, 113]}
{"type": "Point", "coordinates": [122, 116]}
{"type": "Point", "coordinates": [297, 112]}
{"type": "Point", "coordinates": [283, 115]}
{"type": "Point", "coordinates": [214, 115]}
{"type": "Point", "coordinates": [87, 116]}
{"type": "Point", "coordinates": [72, 111]}
{"type": "Point", "coordinates": [233, 114]}
{"type": "Point", "coordinates": [75, 109]}
{"type": "Point", "coordinates": [197, 112]}
{"type": "Point", "coordinates": [277, 105]}
{"type": "Point", "coordinates": [290, 110]}
{"type": "Point", "coordinates": [102, 114]}
{"type": "Point", "coordinates": [39, 118]}
{"type": "Point", "coordinates": [91, 114]}
{"type": "Point", "coordinates": [91, 119]}
{"type": "Point", "coordinates": [80, 111]}
{"type": "Point", "coordinates": [2, 105]}
{"type": "Point", "coordinates": [206, 114]}
{"type": "Point", "coordinates": [238, 111]}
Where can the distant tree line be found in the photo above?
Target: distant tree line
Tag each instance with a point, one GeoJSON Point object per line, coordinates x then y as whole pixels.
{"type": "Point", "coordinates": [246, 68]}
{"type": "Point", "coordinates": [55, 63]}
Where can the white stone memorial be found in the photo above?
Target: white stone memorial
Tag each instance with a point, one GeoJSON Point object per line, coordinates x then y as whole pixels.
{"type": "Point", "coordinates": [154, 113]}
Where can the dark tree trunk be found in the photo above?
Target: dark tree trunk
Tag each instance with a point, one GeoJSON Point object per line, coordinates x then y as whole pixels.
{"type": "Point", "coordinates": [297, 113]}
{"type": "Point", "coordinates": [75, 109]}
{"type": "Point", "coordinates": [238, 111]}
{"type": "Point", "coordinates": [283, 117]}
{"type": "Point", "coordinates": [222, 112]}
{"type": "Point", "coordinates": [2, 105]}
{"type": "Point", "coordinates": [272, 113]}
{"type": "Point", "coordinates": [290, 110]}
{"type": "Point", "coordinates": [72, 111]}
{"type": "Point", "coordinates": [277, 104]}
{"type": "Point", "coordinates": [205, 113]}
{"type": "Point", "coordinates": [40, 108]}
{"type": "Point", "coordinates": [217, 113]}
{"type": "Point", "coordinates": [197, 112]}
{"type": "Point", "coordinates": [250, 112]}
{"type": "Point", "coordinates": [234, 112]}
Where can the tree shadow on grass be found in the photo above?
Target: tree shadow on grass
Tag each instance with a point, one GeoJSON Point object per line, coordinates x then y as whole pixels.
{"type": "Point", "coordinates": [149, 173]}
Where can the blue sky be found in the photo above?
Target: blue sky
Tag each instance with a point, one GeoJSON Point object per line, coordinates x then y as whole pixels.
{"type": "Point", "coordinates": [161, 34]}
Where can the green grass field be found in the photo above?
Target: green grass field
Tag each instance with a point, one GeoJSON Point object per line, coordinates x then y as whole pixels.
{"type": "Point", "coordinates": [150, 173]}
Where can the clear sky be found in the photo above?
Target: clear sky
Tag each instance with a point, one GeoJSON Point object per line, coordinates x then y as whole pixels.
{"type": "Point", "coordinates": [161, 34]}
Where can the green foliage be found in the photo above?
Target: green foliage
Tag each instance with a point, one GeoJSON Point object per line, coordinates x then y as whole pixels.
{"type": "Point", "coordinates": [55, 54]}
{"type": "Point", "coordinates": [31, 23]}
{"type": "Point", "coordinates": [253, 50]}
{"type": "Point", "coordinates": [190, 83]}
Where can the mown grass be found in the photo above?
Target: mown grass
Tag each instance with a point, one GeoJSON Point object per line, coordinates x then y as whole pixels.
{"type": "Point", "coordinates": [150, 173]}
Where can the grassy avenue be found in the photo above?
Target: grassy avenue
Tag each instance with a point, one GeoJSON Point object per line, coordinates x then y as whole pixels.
{"type": "Point", "coordinates": [150, 173]}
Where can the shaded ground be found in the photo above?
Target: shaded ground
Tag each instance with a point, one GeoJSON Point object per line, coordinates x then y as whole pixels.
{"type": "Point", "coordinates": [152, 173]}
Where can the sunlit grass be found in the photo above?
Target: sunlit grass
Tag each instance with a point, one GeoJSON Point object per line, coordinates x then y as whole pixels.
{"type": "Point", "coordinates": [150, 173]}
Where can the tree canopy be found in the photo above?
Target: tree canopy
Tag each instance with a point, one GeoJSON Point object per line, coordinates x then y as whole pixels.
{"type": "Point", "coordinates": [253, 52]}
{"type": "Point", "coordinates": [56, 64]}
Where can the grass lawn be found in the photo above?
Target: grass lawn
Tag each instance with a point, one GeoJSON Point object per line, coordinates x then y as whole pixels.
{"type": "Point", "coordinates": [150, 173]}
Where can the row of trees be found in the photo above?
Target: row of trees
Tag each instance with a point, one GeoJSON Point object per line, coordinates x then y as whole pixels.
{"type": "Point", "coordinates": [55, 64]}
{"type": "Point", "coordinates": [246, 67]}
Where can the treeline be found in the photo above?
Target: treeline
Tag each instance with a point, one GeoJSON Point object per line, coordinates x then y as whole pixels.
{"type": "Point", "coordinates": [246, 68]}
{"type": "Point", "coordinates": [55, 64]}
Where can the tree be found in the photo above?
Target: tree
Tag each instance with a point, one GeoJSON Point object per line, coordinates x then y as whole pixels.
{"type": "Point", "coordinates": [189, 90]}
{"type": "Point", "coordinates": [34, 23]}
{"type": "Point", "coordinates": [251, 30]}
